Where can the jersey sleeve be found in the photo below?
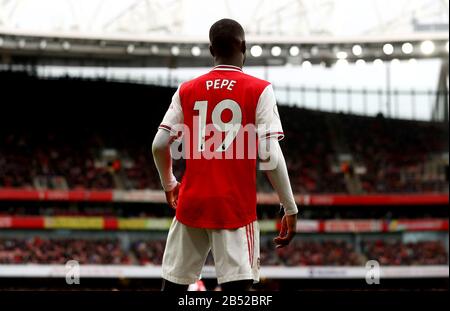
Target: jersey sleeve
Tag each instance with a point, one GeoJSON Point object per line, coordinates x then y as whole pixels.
{"type": "Point", "coordinates": [268, 120]}
{"type": "Point", "coordinates": [174, 114]}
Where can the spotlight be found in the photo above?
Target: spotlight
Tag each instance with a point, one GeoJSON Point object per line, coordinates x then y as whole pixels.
{"type": "Point", "coordinates": [276, 51]}
{"type": "Point", "coordinates": [66, 45]}
{"type": "Point", "coordinates": [175, 50]}
{"type": "Point", "coordinates": [22, 43]}
{"type": "Point", "coordinates": [412, 61]}
{"type": "Point", "coordinates": [360, 63]}
{"type": "Point", "coordinates": [407, 48]}
{"type": "Point", "coordinates": [256, 51]}
{"type": "Point", "coordinates": [294, 51]}
{"type": "Point", "coordinates": [357, 50]}
{"type": "Point", "coordinates": [388, 49]}
{"type": "Point", "coordinates": [196, 51]}
{"type": "Point", "coordinates": [307, 64]}
{"type": "Point", "coordinates": [314, 50]}
{"type": "Point", "coordinates": [427, 47]}
{"type": "Point", "coordinates": [154, 49]}
{"type": "Point", "coordinates": [342, 63]}
{"type": "Point", "coordinates": [378, 62]}
{"type": "Point", "coordinates": [130, 48]}
{"type": "Point", "coordinates": [342, 55]}
{"type": "Point", "coordinates": [395, 62]}
{"type": "Point", "coordinates": [43, 45]}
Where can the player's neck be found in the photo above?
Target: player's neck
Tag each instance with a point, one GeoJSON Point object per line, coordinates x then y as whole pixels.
{"type": "Point", "coordinates": [229, 62]}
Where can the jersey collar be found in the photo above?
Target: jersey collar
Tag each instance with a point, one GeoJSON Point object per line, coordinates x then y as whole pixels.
{"type": "Point", "coordinates": [227, 68]}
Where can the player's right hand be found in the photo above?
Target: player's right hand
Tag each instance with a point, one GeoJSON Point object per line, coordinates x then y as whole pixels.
{"type": "Point", "coordinates": [287, 232]}
{"type": "Point", "coordinates": [172, 196]}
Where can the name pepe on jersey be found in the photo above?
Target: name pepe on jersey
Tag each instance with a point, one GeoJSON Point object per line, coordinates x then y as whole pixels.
{"type": "Point", "coordinates": [224, 137]}
{"type": "Point", "coordinates": [220, 84]}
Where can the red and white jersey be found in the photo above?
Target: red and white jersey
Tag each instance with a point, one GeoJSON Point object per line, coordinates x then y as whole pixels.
{"type": "Point", "coordinates": [218, 189]}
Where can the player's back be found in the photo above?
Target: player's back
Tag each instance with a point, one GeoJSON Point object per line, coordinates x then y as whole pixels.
{"type": "Point", "coordinates": [219, 110]}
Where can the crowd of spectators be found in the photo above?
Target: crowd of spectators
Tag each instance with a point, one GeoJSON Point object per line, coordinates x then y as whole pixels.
{"type": "Point", "coordinates": [300, 253]}
{"type": "Point", "coordinates": [311, 253]}
{"type": "Point", "coordinates": [59, 251]}
{"type": "Point", "coordinates": [309, 152]}
{"type": "Point", "coordinates": [148, 252]}
{"type": "Point", "coordinates": [42, 158]}
{"type": "Point", "coordinates": [393, 153]}
{"type": "Point", "coordinates": [396, 253]}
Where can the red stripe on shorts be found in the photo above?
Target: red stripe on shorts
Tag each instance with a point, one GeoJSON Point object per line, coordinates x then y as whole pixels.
{"type": "Point", "coordinates": [248, 244]}
{"type": "Point", "coordinates": [252, 242]}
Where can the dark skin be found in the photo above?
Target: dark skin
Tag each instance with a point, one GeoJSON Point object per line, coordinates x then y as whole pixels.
{"type": "Point", "coordinates": [237, 59]}
{"type": "Point", "coordinates": [288, 223]}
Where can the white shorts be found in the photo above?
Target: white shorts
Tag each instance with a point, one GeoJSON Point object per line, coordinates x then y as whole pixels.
{"type": "Point", "coordinates": [235, 253]}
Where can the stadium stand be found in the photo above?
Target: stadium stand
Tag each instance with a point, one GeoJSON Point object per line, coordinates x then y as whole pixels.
{"type": "Point", "coordinates": [380, 155]}
{"type": "Point", "coordinates": [58, 251]}
{"type": "Point", "coordinates": [39, 250]}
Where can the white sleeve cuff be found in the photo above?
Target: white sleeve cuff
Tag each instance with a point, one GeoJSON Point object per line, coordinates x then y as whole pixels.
{"type": "Point", "coordinates": [171, 184]}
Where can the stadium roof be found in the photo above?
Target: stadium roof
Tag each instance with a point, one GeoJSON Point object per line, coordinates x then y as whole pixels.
{"type": "Point", "coordinates": [193, 17]}
{"type": "Point", "coordinates": [157, 33]}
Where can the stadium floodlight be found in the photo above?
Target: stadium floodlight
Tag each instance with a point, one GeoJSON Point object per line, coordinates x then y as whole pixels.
{"type": "Point", "coordinates": [294, 51]}
{"type": "Point", "coordinates": [154, 49]}
{"type": "Point", "coordinates": [412, 61]}
{"type": "Point", "coordinates": [407, 48]}
{"type": "Point", "coordinates": [306, 64]}
{"type": "Point", "coordinates": [22, 43]}
{"type": "Point", "coordinates": [378, 62]}
{"type": "Point", "coordinates": [342, 63]}
{"type": "Point", "coordinates": [175, 50]}
{"type": "Point", "coordinates": [130, 48]}
{"type": "Point", "coordinates": [395, 62]}
{"type": "Point", "coordinates": [196, 51]}
{"type": "Point", "coordinates": [357, 50]}
{"type": "Point", "coordinates": [314, 50]}
{"type": "Point", "coordinates": [43, 44]}
{"type": "Point", "coordinates": [66, 45]}
{"type": "Point", "coordinates": [360, 63]}
{"type": "Point", "coordinates": [342, 55]}
{"type": "Point", "coordinates": [276, 51]}
{"type": "Point", "coordinates": [427, 47]}
{"type": "Point", "coordinates": [256, 51]}
{"type": "Point", "coordinates": [388, 49]}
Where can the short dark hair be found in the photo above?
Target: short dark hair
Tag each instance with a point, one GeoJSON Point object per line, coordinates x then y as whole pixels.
{"type": "Point", "coordinates": [226, 36]}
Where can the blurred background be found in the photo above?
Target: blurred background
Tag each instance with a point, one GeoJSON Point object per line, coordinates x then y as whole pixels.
{"type": "Point", "coordinates": [362, 87]}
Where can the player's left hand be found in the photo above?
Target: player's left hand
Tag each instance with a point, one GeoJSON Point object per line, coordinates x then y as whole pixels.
{"type": "Point", "coordinates": [172, 196]}
{"type": "Point", "coordinates": [287, 232]}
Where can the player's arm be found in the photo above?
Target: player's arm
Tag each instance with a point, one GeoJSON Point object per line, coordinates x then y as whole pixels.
{"type": "Point", "coordinates": [270, 132]}
{"type": "Point", "coordinates": [163, 161]}
{"type": "Point", "coordinates": [161, 149]}
{"type": "Point", "coordinates": [274, 165]}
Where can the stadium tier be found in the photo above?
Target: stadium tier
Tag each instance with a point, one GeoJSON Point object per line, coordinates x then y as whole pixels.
{"type": "Point", "coordinates": [303, 253]}
{"type": "Point", "coordinates": [325, 152]}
